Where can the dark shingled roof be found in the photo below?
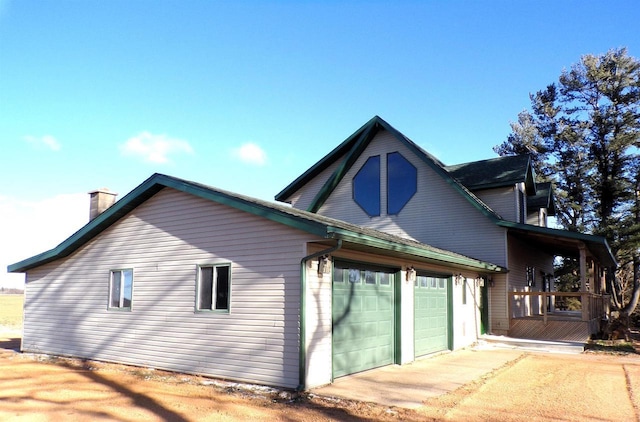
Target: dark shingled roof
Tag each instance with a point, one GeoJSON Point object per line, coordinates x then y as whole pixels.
{"type": "Point", "coordinates": [324, 227]}
{"type": "Point", "coordinates": [542, 199]}
{"type": "Point", "coordinates": [495, 172]}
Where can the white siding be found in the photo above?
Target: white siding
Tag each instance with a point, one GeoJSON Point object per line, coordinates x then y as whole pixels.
{"type": "Point", "coordinates": [163, 240]}
{"type": "Point", "coordinates": [437, 214]}
{"type": "Point", "coordinates": [319, 325]}
{"type": "Point", "coordinates": [466, 316]}
{"type": "Point", "coordinates": [503, 201]}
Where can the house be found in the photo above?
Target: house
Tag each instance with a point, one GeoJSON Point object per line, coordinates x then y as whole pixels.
{"type": "Point", "coordinates": [383, 255]}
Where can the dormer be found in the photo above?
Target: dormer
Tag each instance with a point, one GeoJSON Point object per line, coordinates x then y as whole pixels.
{"type": "Point", "coordinates": [503, 183]}
{"type": "Point", "coordinates": [541, 205]}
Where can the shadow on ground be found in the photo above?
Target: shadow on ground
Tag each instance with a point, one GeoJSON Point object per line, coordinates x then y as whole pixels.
{"type": "Point", "coordinates": [12, 344]}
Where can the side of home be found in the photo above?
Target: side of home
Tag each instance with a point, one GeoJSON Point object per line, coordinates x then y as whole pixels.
{"type": "Point", "coordinates": [184, 277]}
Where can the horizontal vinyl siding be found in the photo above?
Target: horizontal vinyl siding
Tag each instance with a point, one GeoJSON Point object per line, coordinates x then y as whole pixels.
{"type": "Point", "coordinates": [303, 198]}
{"type": "Point", "coordinates": [502, 200]}
{"type": "Point", "coordinates": [437, 214]}
{"type": "Point", "coordinates": [498, 313]}
{"type": "Point", "coordinates": [522, 256]}
{"type": "Point", "coordinates": [164, 240]}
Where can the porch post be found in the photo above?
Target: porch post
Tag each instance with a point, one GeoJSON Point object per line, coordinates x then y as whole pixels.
{"type": "Point", "coordinates": [583, 282]}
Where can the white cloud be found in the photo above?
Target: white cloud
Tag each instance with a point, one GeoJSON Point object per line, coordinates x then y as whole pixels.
{"type": "Point", "coordinates": [250, 153]}
{"type": "Point", "coordinates": [28, 228]}
{"type": "Point", "coordinates": [154, 148]}
{"type": "Point", "coordinates": [43, 142]}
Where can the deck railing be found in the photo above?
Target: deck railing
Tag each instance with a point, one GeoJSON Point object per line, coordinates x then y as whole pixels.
{"type": "Point", "coordinates": [586, 307]}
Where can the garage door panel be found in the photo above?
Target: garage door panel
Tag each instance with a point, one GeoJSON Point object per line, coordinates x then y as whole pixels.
{"type": "Point", "coordinates": [363, 318]}
{"type": "Point", "coordinates": [431, 315]}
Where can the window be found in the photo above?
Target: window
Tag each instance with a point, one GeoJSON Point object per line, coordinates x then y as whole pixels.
{"type": "Point", "coordinates": [213, 286]}
{"type": "Point", "coordinates": [366, 186]}
{"type": "Point", "coordinates": [402, 179]}
{"type": "Point", "coordinates": [402, 184]}
{"type": "Point", "coordinates": [121, 289]}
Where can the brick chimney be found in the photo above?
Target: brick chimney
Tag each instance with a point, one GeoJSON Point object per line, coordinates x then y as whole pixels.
{"type": "Point", "coordinates": [101, 199]}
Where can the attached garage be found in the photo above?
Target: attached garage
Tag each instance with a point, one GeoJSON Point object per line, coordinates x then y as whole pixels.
{"type": "Point", "coordinates": [364, 317]}
{"type": "Point", "coordinates": [431, 307]}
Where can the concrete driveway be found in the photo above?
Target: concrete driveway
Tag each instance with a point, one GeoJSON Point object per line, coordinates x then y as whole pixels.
{"type": "Point", "coordinates": [409, 385]}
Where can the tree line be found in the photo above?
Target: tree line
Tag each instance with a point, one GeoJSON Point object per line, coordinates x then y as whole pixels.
{"type": "Point", "coordinates": [583, 134]}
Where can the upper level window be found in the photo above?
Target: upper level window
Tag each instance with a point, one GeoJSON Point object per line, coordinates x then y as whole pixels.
{"type": "Point", "coordinates": [366, 186]}
{"type": "Point", "coordinates": [213, 287]}
{"type": "Point", "coordinates": [402, 179]}
{"type": "Point", "coordinates": [121, 289]}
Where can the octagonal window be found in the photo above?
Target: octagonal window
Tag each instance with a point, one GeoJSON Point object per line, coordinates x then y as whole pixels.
{"type": "Point", "coordinates": [366, 186]}
{"type": "Point", "coordinates": [402, 181]}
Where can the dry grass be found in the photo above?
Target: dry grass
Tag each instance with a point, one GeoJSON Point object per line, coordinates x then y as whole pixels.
{"type": "Point", "coordinates": [11, 310]}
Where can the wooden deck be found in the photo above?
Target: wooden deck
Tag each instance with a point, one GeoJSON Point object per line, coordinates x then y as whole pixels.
{"type": "Point", "coordinates": [561, 329]}
{"type": "Point", "coordinates": [530, 317]}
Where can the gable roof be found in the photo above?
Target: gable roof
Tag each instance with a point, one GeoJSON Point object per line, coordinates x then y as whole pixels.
{"type": "Point", "coordinates": [542, 199]}
{"type": "Point", "coordinates": [508, 170]}
{"type": "Point", "coordinates": [316, 224]}
{"type": "Point", "coordinates": [351, 149]}
{"type": "Point", "coordinates": [496, 172]}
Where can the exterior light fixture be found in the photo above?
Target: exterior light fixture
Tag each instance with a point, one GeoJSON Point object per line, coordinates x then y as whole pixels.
{"type": "Point", "coordinates": [324, 265]}
{"type": "Point", "coordinates": [411, 274]}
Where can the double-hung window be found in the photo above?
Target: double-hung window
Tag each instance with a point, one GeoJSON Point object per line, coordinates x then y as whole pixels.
{"type": "Point", "coordinates": [213, 287]}
{"type": "Point", "coordinates": [121, 289]}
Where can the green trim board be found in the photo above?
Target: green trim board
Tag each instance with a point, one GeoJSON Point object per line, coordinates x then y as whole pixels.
{"type": "Point", "coordinates": [315, 224]}
{"type": "Point", "coordinates": [409, 247]}
{"type": "Point", "coordinates": [354, 145]}
{"type": "Point", "coordinates": [556, 239]}
{"type": "Point", "coordinates": [513, 169]}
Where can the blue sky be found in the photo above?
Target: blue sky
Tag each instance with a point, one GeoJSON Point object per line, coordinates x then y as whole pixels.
{"type": "Point", "coordinates": [245, 96]}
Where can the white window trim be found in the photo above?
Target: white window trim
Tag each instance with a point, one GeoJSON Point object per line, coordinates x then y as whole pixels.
{"type": "Point", "coordinates": [213, 288]}
{"type": "Point", "coordinates": [120, 306]}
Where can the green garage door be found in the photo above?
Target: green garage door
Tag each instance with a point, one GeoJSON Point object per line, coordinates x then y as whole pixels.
{"type": "Point", "coordinates": [431, 316]}
{"type": "Point", "coordinates": [363, 318]}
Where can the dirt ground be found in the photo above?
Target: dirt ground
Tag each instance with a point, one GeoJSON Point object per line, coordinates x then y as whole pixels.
{"type": "Point", "coordinates": [538, 387]}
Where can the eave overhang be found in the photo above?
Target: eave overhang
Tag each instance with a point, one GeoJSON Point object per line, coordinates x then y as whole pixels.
{"type": "Point", "coordinates": [563, 242]}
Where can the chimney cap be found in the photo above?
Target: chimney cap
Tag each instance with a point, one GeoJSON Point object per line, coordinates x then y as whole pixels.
{"type": "Point", "coordinates": [102, 190]}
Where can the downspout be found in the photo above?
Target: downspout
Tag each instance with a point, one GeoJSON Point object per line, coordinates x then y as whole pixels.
{"type": "Point", "coordinates": [302, 358]}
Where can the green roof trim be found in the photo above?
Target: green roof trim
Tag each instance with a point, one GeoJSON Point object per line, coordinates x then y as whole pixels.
{"type": "Point", "coordinates": [413, 248]}
{"type": "Point", "coordinates": [315, 224]}
{"type": "Point", "coordinates": [361, 140]}
{"type": "Point", "coordinates": [596, 244]}
{"type": "Point", "coordinates": [353, 146]}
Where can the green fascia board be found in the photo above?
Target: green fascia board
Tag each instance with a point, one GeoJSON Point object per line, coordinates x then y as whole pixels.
{"type": "Point", "coordinates": [358, 147]}
{"type": "Point", "coordinates": [324, 162]}
{"type": "Point", "coordinates": [318, 225]}
{"type": "Point", "coordinates": [417, 250]}
{"type": "Point", "coordinates": [90, 230]}
{"type": "Point", "coordinates": [145, 191]}
{"type": "Point", "coordinates": [596, 244]}
{"type": "Point", "coordinates": [361, 139]}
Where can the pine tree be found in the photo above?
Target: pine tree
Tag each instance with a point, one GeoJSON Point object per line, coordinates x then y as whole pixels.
{"type": "Point", "coordinates": [583, 133]}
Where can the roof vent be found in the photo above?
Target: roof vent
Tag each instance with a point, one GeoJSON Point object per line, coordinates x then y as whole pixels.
{"type": "Point", "coordinates": [101, 199]}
